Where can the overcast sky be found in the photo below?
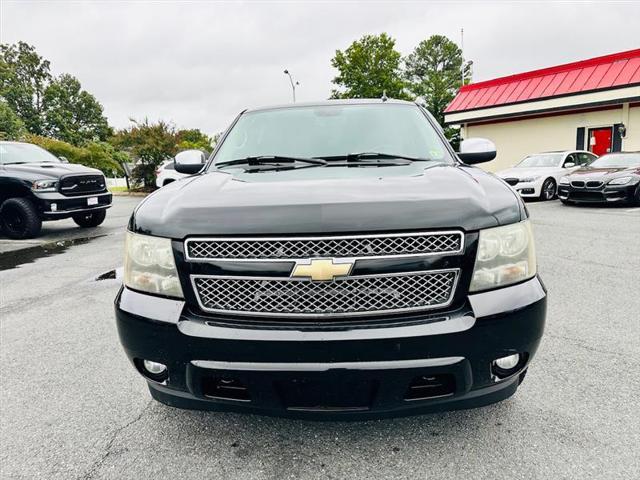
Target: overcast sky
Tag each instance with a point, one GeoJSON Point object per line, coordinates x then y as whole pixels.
{"type": "Point", "coordinates": [199, 63]}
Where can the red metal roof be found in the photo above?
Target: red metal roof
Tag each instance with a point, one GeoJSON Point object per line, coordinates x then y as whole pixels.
{"type": "Point", "coordinates": [616, 70]}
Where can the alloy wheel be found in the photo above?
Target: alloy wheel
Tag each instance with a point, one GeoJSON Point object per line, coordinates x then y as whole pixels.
{"type": "Point", "coordinates": [549, 190]}
{"type": "Point", "coordinates": [13, 220]}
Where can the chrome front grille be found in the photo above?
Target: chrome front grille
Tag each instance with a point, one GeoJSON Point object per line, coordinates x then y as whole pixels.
{"type": "Point", "coordinates": [355, 295]}
{"type": "Point", "coordinates": [594, 184]}
{"type": "Point", "coordinates": [361, 246]}
{"type": "Point", "coordinates": [577, 183]}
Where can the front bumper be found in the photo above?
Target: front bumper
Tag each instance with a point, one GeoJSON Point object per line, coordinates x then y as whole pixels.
{"type": "Point", "coordinates": [361, 370]}
{"type": "Point", "coordinates": [528, 189]}
{"type": "Point", "coordinates": [55, 206]}
{"type": "Point", "coordinates": [604, 194]}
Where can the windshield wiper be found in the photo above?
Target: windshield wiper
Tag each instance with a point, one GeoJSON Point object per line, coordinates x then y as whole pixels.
{"type": "Point", "coordinates": [271, 160]}
{"type": "Point", "coordinates": [362, 156]}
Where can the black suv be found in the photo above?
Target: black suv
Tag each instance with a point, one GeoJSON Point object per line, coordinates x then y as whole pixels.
{"type": "Point", "coordinates": [36, 186]}
{"type": "Point", "coordinates": [334, 258]}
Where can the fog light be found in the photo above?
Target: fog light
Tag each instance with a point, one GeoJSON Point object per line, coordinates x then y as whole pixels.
{"type": "Point", "coordinates": [154, 368]}
{"type": "Point", "coordinates": [509, 362]}
{"type": "Point", "coordinates": [54, 207]}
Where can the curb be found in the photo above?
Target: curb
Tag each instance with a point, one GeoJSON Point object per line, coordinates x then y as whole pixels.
{"type": "Point", "coordinates": [130, 194]}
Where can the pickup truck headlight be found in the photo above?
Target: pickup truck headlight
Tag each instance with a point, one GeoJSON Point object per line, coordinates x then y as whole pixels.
{"type": "Point", "coordinates": [620, 181]}
{"type": "Point", "coordinates": [149, 265]}
{"type": "Point", "coordinates": [45, 186]}
{"type": "Point", "coordinates": [505, 255]}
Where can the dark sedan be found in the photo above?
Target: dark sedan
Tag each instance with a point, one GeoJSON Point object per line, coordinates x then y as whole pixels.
{"type": "Point", "coordinates": [612, 178]}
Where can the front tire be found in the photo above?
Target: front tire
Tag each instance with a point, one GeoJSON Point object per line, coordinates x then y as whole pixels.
{"type": "Point", "coordinates": [549, 189]}
{"type": "Point", "coordinates": [19, 219]}
{"type": "Point", "coordinates": [90, 219]}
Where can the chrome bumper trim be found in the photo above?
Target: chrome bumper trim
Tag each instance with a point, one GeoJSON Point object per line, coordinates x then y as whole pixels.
{"type": "Point", "coordinates": [323, 367]}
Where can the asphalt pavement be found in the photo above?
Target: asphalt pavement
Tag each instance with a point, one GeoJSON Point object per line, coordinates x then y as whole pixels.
{"type": "Point", "coordinates": [72, 407]}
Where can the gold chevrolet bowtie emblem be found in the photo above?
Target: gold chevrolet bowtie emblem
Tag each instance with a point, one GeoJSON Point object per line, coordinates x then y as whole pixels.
{"type": "Point", "coordinates": [322, 270]}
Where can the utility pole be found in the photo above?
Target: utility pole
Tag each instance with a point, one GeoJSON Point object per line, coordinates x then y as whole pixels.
{"type": "Point", "coordinates": [293, 84]}
{"type": "Point", "coordinates": [462, 53]}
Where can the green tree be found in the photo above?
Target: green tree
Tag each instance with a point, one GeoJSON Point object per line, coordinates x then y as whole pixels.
{"type": "Point", "coordinates": [24, 76]}
{"type": "Point", "coordinates": [72, 114]}
{"type": "Point", "coordinates": [194, 139]}
{"type": "Point", "coordinates": [433, 71]}
{"type": "Point", "coordinates": [368, 68]}
{"type": "Point", "coordinates": [148, 145]}
{"type": "Point", "coordinates": [11, 127]}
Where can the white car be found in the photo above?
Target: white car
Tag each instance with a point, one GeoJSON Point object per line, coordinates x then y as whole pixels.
{"type": "Point", "coordinates": [166, 173]}
{"type": "Point", "coordinates": [538, 175]}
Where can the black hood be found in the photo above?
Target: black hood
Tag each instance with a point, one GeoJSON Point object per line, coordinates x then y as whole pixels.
{"type": "Point", "coordinates": [328, 200]}
{"type": "Point", "coordinates": [45, 170]}
{"type": "Point", "coordinates": [603, 174]}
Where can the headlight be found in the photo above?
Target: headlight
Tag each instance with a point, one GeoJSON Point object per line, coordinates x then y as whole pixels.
{"type": "Point", "coordinates": [564, 181]}
{"type": "Point", "coordinates": [505, 255]}
{"type": "Point", "coordinates": [530, 179]}
{"type": "Point", "coordinates": [149, 265]}
{"type": "Point", "coordinates": [45, 186]}
{"type": "Point", "coordinates": [620, 181]}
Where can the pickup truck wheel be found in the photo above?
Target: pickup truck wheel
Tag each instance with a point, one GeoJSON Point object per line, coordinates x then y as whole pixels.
{"type": "Point", "coordinates": [19, 218]}
{"type": "Point", "coordinates": [93, 219]}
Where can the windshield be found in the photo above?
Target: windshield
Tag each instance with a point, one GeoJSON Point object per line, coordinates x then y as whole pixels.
{"type": "Point", "coordinates": [24, 153]}
{"type": "Point", "coordinates": [332, 131]}
{"type": "Point", "coordinates": [617, 160]}
{"type": "Point", "coordinates": [542, 160]}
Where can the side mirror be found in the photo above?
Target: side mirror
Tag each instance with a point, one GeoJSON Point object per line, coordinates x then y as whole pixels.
{"type": "Point", "coordinates": [63, 159]}
{"type": "Point", "coordinates": [477, 150]}
{"type": "Point", "coordinates": [569, 165]}
{"type": "Point", "coordinates": [190, 161]}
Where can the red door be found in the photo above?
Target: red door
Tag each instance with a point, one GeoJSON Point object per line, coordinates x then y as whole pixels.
{"type": "Point", "coordinates": [600, 140]}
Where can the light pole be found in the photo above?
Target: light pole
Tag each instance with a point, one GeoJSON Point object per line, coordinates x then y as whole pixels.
{"type": "Point", "coordinates": [293, 84]}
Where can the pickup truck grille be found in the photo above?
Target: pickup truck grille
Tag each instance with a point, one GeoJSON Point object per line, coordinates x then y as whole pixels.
{"type": "Point", "coordinates": [362, 246]}
{"type": "Point", "coordinates": [355, 295]}
{"type": "Point", "coordinates": [74, 185]}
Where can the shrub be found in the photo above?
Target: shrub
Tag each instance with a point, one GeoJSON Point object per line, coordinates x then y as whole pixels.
{"type": "Point", "coordinates": [100, 155]}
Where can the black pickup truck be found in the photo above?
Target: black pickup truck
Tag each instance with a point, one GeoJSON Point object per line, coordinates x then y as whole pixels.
{"type": "Point", "coordinates": [36, 186]}
{"type": "Point", "coordinates": [332, 258]}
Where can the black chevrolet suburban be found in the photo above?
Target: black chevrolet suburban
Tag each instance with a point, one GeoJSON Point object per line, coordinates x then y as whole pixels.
{"type": "Point", "coordinates": [332, 259]}
{"type": "Point", "coordinates": [36, 186]}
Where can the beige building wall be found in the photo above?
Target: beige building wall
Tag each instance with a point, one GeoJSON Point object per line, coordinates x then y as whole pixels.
{"type": "Point", "coordinates": [632, 142]}
{"type": "Point", "coordinates": [516, 139]}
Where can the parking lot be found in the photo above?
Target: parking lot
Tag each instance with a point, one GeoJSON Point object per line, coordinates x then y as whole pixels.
{"type": "Point", "coordinates": [73, 407]}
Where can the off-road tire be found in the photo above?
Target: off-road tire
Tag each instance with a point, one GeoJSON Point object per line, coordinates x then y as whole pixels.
{"type": "Point", "coordinates": [19, 218]}
{"type": "Point", "coordinates": [90, 219]}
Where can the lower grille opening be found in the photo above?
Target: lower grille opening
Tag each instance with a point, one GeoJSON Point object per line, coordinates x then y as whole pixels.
{"type": "Point", "coordinates": [586, 196]}
{"type": "Point", "coordinates": [431, 386]}
{"type": "Point", "coordinates": [225, 388]}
